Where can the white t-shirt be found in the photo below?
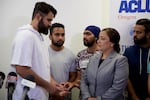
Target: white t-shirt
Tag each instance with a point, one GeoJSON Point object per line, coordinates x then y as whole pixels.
{"type": "Point", "coordinates": [29, 50]}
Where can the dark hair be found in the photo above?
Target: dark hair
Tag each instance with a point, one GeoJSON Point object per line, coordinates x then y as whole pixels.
{"type": "Point", "coordinates": [2, 75]}
{"type": "Point", "coordinates": [56, 25]}
{"type": "Point", "coordinates": [114, 37]}
{"type": "Point", "coordinates": [44, 8]}
{"type": "Point", "coordinates": [145, 23]}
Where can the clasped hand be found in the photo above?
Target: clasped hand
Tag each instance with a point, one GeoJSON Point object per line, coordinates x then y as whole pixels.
{"type": "Point", "coordinates": [61, 89]}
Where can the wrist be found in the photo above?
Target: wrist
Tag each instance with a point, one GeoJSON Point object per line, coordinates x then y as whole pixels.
{"type": "Point", "coordinates": [134, 97]}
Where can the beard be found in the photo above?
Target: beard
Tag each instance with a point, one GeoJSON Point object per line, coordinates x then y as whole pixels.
{"type": "Point", "coordinates": [140, 41]}
{"type": "Point", "coordinates": [42, 28]}
{"type": "Point", "coordinates": [88, 43]}
{"type": "Point", "coordinates": [58, 43]}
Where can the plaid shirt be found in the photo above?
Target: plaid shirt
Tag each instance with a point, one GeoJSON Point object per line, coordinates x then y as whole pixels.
{"type": "Point", "coordinates": [83, 59]}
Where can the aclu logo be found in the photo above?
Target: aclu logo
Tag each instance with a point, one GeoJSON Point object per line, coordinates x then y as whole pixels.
{"type": "Point", "coordinates": [133, 6]}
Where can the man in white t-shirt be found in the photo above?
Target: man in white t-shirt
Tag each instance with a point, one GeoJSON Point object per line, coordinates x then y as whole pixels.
{"type": "Point", "coordinates": [30, 55]}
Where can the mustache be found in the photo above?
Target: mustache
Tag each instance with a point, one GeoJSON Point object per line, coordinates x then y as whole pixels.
{"type": "Point", "coordinates": [85, 39]}
{"type": "Point", "coordinates": [60, 41]}
{"type": "Point", "coordinates": [135, 38]}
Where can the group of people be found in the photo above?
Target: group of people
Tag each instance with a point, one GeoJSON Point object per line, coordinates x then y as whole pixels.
{"type": "Point", "coordinates": [99, 71]}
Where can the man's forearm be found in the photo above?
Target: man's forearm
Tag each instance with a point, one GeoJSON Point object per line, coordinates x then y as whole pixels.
{"type": "Point", "coordinates": [24, 70]}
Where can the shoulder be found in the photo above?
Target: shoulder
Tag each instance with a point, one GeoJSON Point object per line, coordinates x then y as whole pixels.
{"type": "Point", "coordinates": [120, 56]}
{"type": "Point", "coordinates": [132, 48]}
{"type": "Point", "coordinates": [24, 33]}
{"type": "Point", "coordinates": [120, 59]}
{"type": "Point", "coordinates": [23, 38]}
{"type": "Point", "coordinates": [68, 53]}
{"type": "Point", "coordinates": [96, 56]}
{"type": "Point", "coordinates": [82, 52]}
{"type": "Point", "coordinates": [114, 56]}
{"type": "Point", "coordinates": [67, 50]}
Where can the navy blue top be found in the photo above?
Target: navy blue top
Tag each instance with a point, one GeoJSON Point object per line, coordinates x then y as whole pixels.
{"type": "Point", "coordinates": [138, 78]}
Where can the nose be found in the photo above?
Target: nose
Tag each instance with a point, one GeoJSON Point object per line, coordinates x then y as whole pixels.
{"type": "Point", "coordinates": [98, 41]}
{"type": "Point", "coordinates": [84, 36]}
{"type": "Point", "coordinates": [61, 37]}
{"type": "Point", "coordinates": [50, 24]}
{"type": "Point", "coordinates": [134, 34]}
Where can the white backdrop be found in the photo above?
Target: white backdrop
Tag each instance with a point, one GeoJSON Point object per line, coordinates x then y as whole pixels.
{"type": "Point", "coordinates": [74, 14]}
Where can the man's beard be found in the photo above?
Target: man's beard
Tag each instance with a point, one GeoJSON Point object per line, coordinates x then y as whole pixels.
{"type": "Point", "coordinates": [88, 43]}
{"type": "Point", "coordinates": [42, 28]}
{"type": "Point", "coordinates": [140, 41]}
{"type": "Point", "coordinates": [58, 43]}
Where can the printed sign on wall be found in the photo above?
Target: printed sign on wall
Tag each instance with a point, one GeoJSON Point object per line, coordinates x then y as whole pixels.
{"type": "Point", "coordinates": [124, 14]}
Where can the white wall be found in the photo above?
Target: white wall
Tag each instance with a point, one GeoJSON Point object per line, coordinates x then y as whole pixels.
{"type": "Point", "coordinates": [74, 14]}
